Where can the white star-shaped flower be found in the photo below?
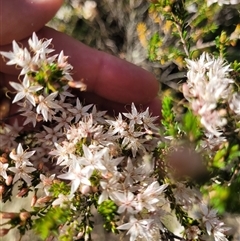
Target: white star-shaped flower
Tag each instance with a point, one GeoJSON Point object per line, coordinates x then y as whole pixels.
{"type": "Point", "coordinates": [25, 90]}
{"type": "Point", "coordinates": [39, 47]}
{"type": "Point", "coordinates": [21, 157]}
{"type": "Point", "coordinates": [22, 172]}
{"type": "Point", "coordinates": [46, 104]}
{"type": "Point", "coordinates": [3, 170]}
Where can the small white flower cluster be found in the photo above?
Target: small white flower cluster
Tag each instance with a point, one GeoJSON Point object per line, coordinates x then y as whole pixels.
{"type": "Point", "coordinates": [77, 143]}
{"type": "Point", "coordinates": [212, 224]}
{"type": "Point", "coordinates": [124, 179]}
{"type": "Point", "coordinates": [32, 62]}
{"type": "Point", "coordinates": [209, 90]}
{"type": "Point", "coordinates": [223, 2]}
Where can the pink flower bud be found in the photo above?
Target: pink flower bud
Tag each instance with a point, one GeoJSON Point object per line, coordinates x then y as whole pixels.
{"type": "Point", "coordinates": [9, 180]}
{"type": "Point", "coordinates": [24, 216]}
{"type": "Point", "coordinates": [22, 192]}
{"type": "Point", "coordinates": [4, 231]}
{"type": "Point", "coordinates": [33, 201]}
{"type": "Point", "coordinates": [44, 199]}
{"type": "Point", "coordinates": [3, 160]}
{"type": "Point", "coordinates": [8, 215]}
{"type": "Point", "coordinates": [85, 189]}
{"type": "Point", "coordinates": [2, 189]}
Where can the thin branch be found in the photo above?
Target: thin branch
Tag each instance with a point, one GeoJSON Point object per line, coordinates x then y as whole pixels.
{"type": "Point", "coordinates": [203, 46]}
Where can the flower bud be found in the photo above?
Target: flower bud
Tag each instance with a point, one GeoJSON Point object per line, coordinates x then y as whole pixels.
{"type": "Point", "coordinates": [5, 155]}
{"type": "Point", "coordinates": [2, 189]}
{"type": "Point", "coordinates": [23, 192]}
{"type": "Point", "coordinates": [34, 200]}
{"type": "Point", "coordinates": [3, 160]}
{"type": "Point", "coordinates": [9, 180]}
{"type": "Point", "coordinates": [4, 231]}
{"type": "Point", "coordinates": [24, 216]}
{"type": "Point", "coordinates": [42, 200]}
{"type": "Point", "coordinates": [94, 189]}
{"type": "Point", "coordinates": [40, 166]}
{"type": "Point", "coordinates": [223, 37]}
{"type": "Point", "coordinates": [85, 189]}
{"type": "Point", "coordinates": [8, 215]}
{"type": "Point", "coordinates": [80, 235]}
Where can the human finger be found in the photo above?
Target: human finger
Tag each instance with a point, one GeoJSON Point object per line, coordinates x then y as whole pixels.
{"type": "Point", "coordinates": [19, 19]}
{"type": "Point", "coordinates": [105, 75]}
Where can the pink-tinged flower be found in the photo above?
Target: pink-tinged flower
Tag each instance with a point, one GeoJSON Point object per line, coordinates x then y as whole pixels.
{"type": "Point", "coordinates": [208, 217]}
{"type": "Point", "coordinates": [63, 152]}
{"type": "Point", "coordinates": [21, 157]}
{"type": "Point", "coordinates": [87, 126]}
{"type": "Point", "coordinates": [137, 228]}
{"type": "Point", "coordinates": [134, 174]}
{"type": "Point", "coordinates": [76, 176]}
{"type": "Point", "coordinates": [133, 141]}
{"type": "Point", "coordinates": [47, 105]}
{"type": "Point", "coordinates": [98, 116]}
{"type": "Point", "coordinates": [151, 196]}
{"type": "Point", "coordinates": [135, 117]}
{"type": "Point", "coordinates": [84, 128]}
{"type": "Point", "coordinates": [185, 196]}
{"type": "Point", "coordinates": [208, 86]}
{"type": "Point", "coordinates": [79, 110]}
{"type": "Point", "coordinates": [8, 135]}
{"type": "Point", "coordinates": [25, 90]}
{"type": "Point", "coordinates": [53, 134]}
{"type": "Point", "coordinates": [22, 172]}
{"type": "Point", "coordinates": [62, 200]}
{"type": "Point", "coordinates": [125, 202]}
{"type": "Point", "coordinates": [40, 47]}
{"type": "Point", "coordinates": [20, 57]}
{"type": "Point", "coordinates": [64, 120]}
{"type": "Point", "coordinates": [108, 187]}
{"type": "Point", "coordinates": [118, 126]}
{"type": "Point", "coordinates": [219, 232]}
{"type": "Point", "coordinates": [109, 163]}
{"type": "Point", "coordinates": [46, 183]}
{"type": "Point", "coordinates": [3, 170]}
{"type": "Point", "coordinates": [31, 117]}
{"type": "Point", "coordinates": [193, 232]}
{"type": "Point", "coordinates": [91, 161]}
{"type": "Point", "coordinates": [235, 103]}
{"type": "Point", "coordinates": [64, 66]}
{"type": "Point", "coordinates": [148, 121]}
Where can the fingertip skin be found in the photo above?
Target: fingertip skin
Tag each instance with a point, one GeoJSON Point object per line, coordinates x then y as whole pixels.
{"type": "Point", "coordinates": [105, 74]}
{"type": "Point", "coordinates": [113, 80]}
{"type": "Point", "coordinates": [20, 18]}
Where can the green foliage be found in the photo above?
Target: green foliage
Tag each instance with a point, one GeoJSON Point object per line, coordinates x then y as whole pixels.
{"type": "Point", "coordinates": [168, 116]}
{"type": "Point", "coordinates": [153, 47]}
{"type": "Point", "coordinates": [108, 209]}
{"type": "Point", "coordinates": [181, 28]}
{"type": "Point", "coordinates": [236, 73]}
{"type": "Point", "coordinates": [59, 188]}
{"type": "Point", "coordinates": [225, 193]}
{"type": "Point", "coordinates": [51, 221]}
{"type": "Point", "coordinates": [191, 126]}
